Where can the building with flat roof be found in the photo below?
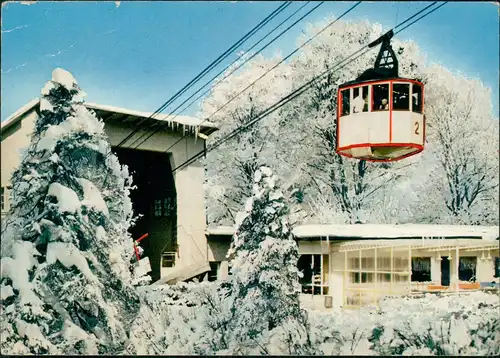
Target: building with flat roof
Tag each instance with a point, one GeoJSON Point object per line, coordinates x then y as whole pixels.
{"type": "Point", "coordinates": [172, 203]}
{"type": "Point", "coordinates": [355, 265]}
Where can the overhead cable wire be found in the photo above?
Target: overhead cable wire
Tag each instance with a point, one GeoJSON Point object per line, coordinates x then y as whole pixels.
{"type": "Point", "coordinates": [214, 63]}
{"type": "Point", "coordinates": [235, 69]}
{"type": "Point", "coordinates": [302, 89]}
{"type": "Point", "coordinates": [298, 92]}
{"type": "Point", "coordinates": [243, 63]}
{"type": "Point", "coordinates": [272, 68]}
{"type": "Point", "coordinates": [421, 17]}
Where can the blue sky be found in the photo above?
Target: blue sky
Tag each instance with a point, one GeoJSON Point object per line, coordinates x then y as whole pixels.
{"type": "Point", "coordinates": [139, 54]}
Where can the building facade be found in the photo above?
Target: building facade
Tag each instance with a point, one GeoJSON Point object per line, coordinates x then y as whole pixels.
{"type": "Point", "coordinates": [354, 265]}
{"type": "Point", "coordinates": [171, 203]}
{"type": "Point", "coordinates": [343, 265]}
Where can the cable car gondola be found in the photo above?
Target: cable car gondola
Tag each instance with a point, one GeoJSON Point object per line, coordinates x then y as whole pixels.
{"type": "Point", "coordinates": [380, 116]}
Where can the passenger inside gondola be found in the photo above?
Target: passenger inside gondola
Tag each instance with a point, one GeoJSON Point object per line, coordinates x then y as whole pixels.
{"type": "Point", "coordinates": [384, 105]}
{"type": "Point", "coordinates": [357, 104]}
{"type": "Point", "coordinates": [345, 103]}
{"type": "Point", "coordinates": [380, 97]}
{"type": "Point", "coordinates": [360, 101]}
{"type": "Point", "coordinates": [364, 91]}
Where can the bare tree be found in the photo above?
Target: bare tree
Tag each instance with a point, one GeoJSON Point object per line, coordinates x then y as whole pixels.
{"type": "Point", "coordinates": [465, 143]}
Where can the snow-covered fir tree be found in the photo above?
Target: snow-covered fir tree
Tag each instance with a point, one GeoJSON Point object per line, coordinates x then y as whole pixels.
{"type": "Point", "coordinates": [65, 266]}
{"type": "Point", "coordinates": [265, 285]}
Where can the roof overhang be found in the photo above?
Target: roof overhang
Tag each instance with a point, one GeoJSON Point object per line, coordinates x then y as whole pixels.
{"type": "Point", "coordinates": [131, 117]}
{"type": "Point", "coordinates": [381, 231]}
{"type": "Point", "coordinates": [18, 115]}
{"type": "Point", "coordinates": [444, 245]}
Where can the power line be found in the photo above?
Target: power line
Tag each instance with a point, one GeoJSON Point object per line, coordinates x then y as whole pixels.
{"type": "Point", "coordinates": [300, 90]}
{"type": "Point", "coordinates": [210, 67]}
{"type": "Point", "coordinates": [161, 126]}
{"type": "Point", "coordinates": [246, 60]}
{"type": "Point", "coordinates": [284, 59]}
{"type": "Point", "coordinates": [307, 85]}
{"type": "Point", "coordinates": [268, 71]}
{"type": "Point", "coordinates": [269, 43]}
{"type": "Point", "coordinates": [421, 17]}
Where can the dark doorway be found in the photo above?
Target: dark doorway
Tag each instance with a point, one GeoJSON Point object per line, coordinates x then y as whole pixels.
{"type": "Point", "coordinates": [445, 271]}
{"type": "Point", "coordinates": [155, 200]}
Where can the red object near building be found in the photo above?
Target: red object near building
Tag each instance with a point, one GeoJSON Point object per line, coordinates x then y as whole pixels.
{"type": "Point", "coordinates": [136, 243]}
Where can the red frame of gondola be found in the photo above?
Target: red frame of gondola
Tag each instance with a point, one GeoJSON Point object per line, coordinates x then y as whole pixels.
{"type": "Point", "coordinates": [419, 147]}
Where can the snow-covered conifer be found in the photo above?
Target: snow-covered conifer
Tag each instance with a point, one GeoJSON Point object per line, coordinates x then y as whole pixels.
{"type": "Point", "coordinates": [265, 278]}
{"type": "Point", "coordinates": [65, 270]}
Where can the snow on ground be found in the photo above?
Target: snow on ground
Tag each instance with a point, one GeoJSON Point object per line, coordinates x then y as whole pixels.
{"type": "Point", "coordinates": [466, 324]}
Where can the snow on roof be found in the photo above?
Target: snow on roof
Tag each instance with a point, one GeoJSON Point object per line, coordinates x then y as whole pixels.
{"type": "Point", "coordinates": [20, 112]}
{"type": "Point", "coordinates": [374, 231]}
{"type": "Point", "coordinates": [397, 231]}
{"type": "Point", "coordinates": [174, 120]}
{"type": "Point", "coordinates": [220, 230]}
{"type": "Point", "coordinates": [184, 120]}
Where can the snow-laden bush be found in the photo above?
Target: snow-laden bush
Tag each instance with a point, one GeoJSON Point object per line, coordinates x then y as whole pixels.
{"type": "Point", "coordinates": [343, 332]}
{"type": "Point", "coordinates": [466, 324]}
{"type": "Point", "coordinates": [159, 297]}
{"type": "Point", "coordinates": [257, 311]}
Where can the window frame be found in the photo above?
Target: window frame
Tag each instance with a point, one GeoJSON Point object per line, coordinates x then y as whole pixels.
{"type": "Point", "coordinates": [421, 98]}
{"type": "Point", "coordinates": [462, 274]}
{"type": "Point", "coordinates": [389, 96]}
{"type": "Point", "coordinates": [164, 207]}
{"type": "Point", "coordinates": [413, 276]}
{"type": "Point", "coordinates": [342, 104]}
{"type": "Point", "coordinates": [172, 260]}
{"type": "Point", "coordinates": [410, 85]}
{"type": "Point", "coordinates": [158, 208]}
{"type": "Point", "coordinates": [323, 287]}
{"type": "Point", "coordinates": [367, 102]}
{"type": "Point", "coordinates": [214, 267]}
{"type": "Point", "coordinates": [2, 198]}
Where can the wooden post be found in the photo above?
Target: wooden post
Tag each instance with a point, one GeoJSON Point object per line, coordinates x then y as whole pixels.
{"type": "Point", "coordinates": [330, 265]}
{"type": "Point", "coordinates": [409, 269]}
{"type": "Point", "coordinates": [375, 279]}
{"type": "Point", "coordinates": [360, 278]}
{"type": "Point", "coordinates": [344, 300]}
{"type": "Point", "coordinates": [312, 279]}
{"type": "Point", "coordinates": [457, 268]}
{"type": "Point", "coordinates": [392, 270]}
